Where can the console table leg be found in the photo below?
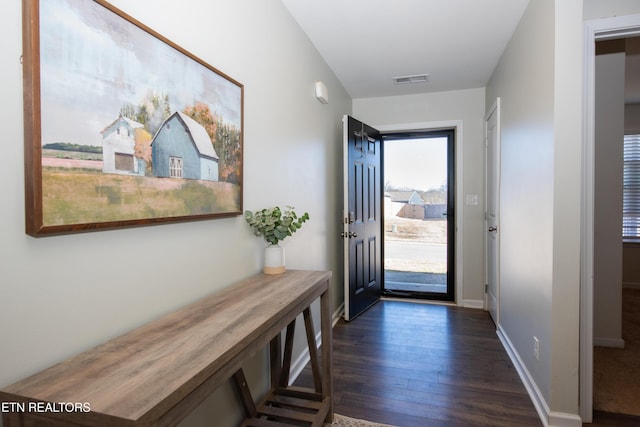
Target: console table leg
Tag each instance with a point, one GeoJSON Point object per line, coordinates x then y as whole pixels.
{"type": "Point", "coordinates": [12, 419]}
{"type": "Point", "coordinates": [327, 349]}
{"type": "Point", "coordinates": [288, 350]}
{"type": "Point", "coordinates": [242, 389]}
{"type": "Point", "coordinates": [275, 360]}
{"type": "Point", "coordinates": [313, 350]}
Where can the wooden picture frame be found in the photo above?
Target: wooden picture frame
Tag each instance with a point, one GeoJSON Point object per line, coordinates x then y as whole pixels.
{"type": "Point", "coordinates": [122, 127]}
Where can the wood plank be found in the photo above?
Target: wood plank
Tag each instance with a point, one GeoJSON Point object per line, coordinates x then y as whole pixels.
{"type": "Point", "coordinates": [11, 419]}
{"type": "Point", "coordinates": [434, 365]}
{"type": "Point", "coordinates": [263, 422]}
{"type": "Point", "coordinates": [147, 374]}
{"type": "Point", "coordinates": [607, 419]}
{"type": "Point", "coordinates": [301, 393]}
{"type": "Point", "coordinates": [285, 414]}
{"type": "Point", "coordinates": [293, 407]}
{"type": "Point", "coordinates": [294, 402]}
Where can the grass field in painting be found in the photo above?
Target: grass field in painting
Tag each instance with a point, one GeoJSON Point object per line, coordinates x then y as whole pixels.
{"type": "Point", "coordinates": [81, 196]}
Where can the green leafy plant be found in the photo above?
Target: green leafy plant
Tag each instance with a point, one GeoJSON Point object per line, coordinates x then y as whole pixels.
{"type": "Point", "coordinates": [274, 224]}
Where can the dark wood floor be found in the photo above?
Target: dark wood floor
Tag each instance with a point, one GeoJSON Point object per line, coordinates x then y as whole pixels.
{"type": "Point", "coordinates": [605, 419]}
{"type": "Point", "coordinates": [410, 364]}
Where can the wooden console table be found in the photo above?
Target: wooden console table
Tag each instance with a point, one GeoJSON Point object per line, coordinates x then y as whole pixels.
{"type": "Point", "coordinates": [157, 374]}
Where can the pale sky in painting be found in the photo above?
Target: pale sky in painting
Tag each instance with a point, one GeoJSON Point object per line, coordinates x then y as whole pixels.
{"type": "Point", "coordinates": [93, 62]}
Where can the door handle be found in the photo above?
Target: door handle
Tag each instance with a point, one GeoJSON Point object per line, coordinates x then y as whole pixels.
{"type": "Point", "coordinates": [493, 229]}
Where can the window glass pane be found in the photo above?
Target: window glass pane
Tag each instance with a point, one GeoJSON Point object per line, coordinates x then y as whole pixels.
{"type": "Point", "coordinates": [631, 195]}
{"type": "Point", "coordinates": [175, 167]}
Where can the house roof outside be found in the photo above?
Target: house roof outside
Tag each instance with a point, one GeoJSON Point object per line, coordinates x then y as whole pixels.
{"type": "Point", "coordinates": [402, 196]}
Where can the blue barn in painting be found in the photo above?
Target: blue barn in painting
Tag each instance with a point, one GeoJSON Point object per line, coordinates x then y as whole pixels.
{"type": "Point", "coordinates": [183, 149]}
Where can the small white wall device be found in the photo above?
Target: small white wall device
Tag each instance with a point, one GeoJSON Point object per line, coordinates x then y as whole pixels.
{"type": "Point", "coordinates": [321, 93]}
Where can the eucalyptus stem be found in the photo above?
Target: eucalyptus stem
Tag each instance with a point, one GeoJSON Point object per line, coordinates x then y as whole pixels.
{"type": "Point", "coordinates": [275, 224]}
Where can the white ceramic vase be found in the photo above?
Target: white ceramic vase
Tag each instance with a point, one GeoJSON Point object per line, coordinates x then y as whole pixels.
{"type": "Point", "coordinates": [274, 259]}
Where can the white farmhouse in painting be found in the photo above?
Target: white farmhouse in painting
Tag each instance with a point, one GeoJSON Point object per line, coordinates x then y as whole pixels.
{"type": "Point", "coordinates": [118, 147]}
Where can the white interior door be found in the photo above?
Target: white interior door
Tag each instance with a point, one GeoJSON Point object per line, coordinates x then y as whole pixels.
{"type": "Point", "coordinates": [492, 171]}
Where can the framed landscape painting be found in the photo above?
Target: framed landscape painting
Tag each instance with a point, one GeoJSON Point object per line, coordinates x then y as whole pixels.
{"type": "Point", "coordinates": [123, 127]}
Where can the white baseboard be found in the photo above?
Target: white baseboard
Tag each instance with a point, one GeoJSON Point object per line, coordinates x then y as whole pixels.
{"type": "Point", "coordinates": [548, 418]}
{"type": "Point", "coordinates": [530, 385]}
{"type": "Point", "coordinates": [337, 315]}
{"type": "Point", "coordinates": [560, 419]}
{"type": "Point", "coordinates": [608, 342]}
{"type": "Point", "coordinates": [473, 303]}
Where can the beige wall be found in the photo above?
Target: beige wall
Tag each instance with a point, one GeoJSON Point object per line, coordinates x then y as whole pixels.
{"type": "Point", "coordinates": [631, 265]}
{"type": "Point", "coordinates": [632, 118]}
{"type": "Point", "coordinates": [524, 81]}
{"type": "Point", "coordinates": [538, 81]}
{"type": "Point", "coordinates": [608, 155]}
{"type": "Point", "coordinates": [59, 295]}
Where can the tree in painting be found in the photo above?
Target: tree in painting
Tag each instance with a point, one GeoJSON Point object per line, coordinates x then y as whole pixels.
{"type": "Point", "coordinates": [225, 139]}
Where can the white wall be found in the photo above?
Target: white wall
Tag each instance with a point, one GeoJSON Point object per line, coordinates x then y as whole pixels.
{"type": "Point", "coordinates": [632, 118]}
{"type": "Point", "coordinates": [567, 185]}
{"type": "Point", "coordinates": [595, 9]}
{"type": "Point", "coordinates": [538, 80]}
{"type": "Point", "coordinates": [467, 107]}
{"type": "Point", "coordinates": [524, 82]}
{"type": "Point", "coordinates": [609, 133]}
{"type": "Point", "coordinates": [56, 296]}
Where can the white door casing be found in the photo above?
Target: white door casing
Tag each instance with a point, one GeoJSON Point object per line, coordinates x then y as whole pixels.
{"type": "Point", "coordinates": [594, 30]}
{"type": "Point", "coordinates": [492, 215]}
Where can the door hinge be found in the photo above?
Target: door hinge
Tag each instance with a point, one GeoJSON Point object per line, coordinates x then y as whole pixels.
{"type": "Point", "coordinates": [486, 288]}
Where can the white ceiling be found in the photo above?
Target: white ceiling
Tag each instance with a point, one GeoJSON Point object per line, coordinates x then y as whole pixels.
{"type": "Point", "coordinates": [369, 42]}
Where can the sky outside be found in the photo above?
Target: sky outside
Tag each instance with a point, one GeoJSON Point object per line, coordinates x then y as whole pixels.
{"type": "Point", "coordinates": [416, 164]}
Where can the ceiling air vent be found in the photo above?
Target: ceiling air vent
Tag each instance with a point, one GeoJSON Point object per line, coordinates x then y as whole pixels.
{"type": "Point", "coordinates": [418, 78]}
